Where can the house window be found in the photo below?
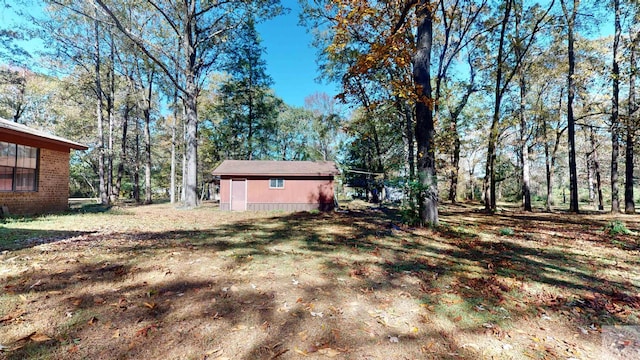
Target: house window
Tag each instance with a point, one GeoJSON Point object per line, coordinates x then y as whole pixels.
{"type": "Point", "coordinates": [18, 167]}
{"type": "Point", "coordinates": [276, 183]}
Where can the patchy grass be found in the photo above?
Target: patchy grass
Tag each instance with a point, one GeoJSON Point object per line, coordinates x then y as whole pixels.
{"type": "Point", "coordinates": [161, 282]}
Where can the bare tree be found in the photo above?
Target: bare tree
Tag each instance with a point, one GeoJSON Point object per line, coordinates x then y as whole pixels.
{"type": "Point", "coordinates": [201, 27]}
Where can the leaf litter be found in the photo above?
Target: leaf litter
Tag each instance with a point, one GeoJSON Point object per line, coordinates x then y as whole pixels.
{"type": "Point", "coordinates": [156, 283]}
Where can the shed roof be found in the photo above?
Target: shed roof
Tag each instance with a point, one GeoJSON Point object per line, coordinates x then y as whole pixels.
{"type": "Point", "coordinates": [11, 129]}
{"type": "Point", "coordinates": [276, 168]}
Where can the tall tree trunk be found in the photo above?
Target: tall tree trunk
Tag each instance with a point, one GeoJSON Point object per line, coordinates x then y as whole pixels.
{"type": "Point", "coordinates": [191, 183]}
{"type": "Point", "coordinates": [427, 198]}
{"type": "Point", "coordinates": [184, 153]}
{"type": "Point", "coordinates": [136, 173]}
{"type": "Point", "coordinates": [590, 180]}
{"type": "Point", "coordinates": [455, 166]}
{"type": "Point", "coordinates": [615, 121]}
{"type": "Point", "coordinates": [123, 152]}
{"type": "Point", "coordinates": [490, 173]}
{"type": "Point", "coordinates": [147, 139]}
{"type": "Point", "coordinates": [172, 191]}
{"type": "Point", "coordinates": [113, 196]}
{"type": "Point", "coordinates": [104, 197]}
{"type": "Point", "coordinates": [596, 168]}
{"type": "Point", "coordinates": [524, 148]}
{"type": "Point", "coordinates": [629, 203]}
{"type": "Point", "coordinates": [570, 16]}
{"type": "Point", "coordinates": [548, 168]}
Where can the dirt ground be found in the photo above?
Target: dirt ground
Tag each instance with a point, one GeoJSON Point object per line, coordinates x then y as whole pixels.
{"type": "Point", "coordinates": [159, 282]}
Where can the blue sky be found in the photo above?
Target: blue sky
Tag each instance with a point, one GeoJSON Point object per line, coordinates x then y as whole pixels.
{"type": "Point", "coordinates": [291, 61]}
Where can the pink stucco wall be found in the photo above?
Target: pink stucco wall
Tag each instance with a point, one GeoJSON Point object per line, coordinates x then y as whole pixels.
{"type": "Point", "coordinates": [299, 193]}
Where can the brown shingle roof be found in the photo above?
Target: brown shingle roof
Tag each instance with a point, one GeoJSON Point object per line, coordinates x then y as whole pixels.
{"type": "Point", "coordinates": [14, 128]}
{"type": "Point", "coordinates": [276, 168]}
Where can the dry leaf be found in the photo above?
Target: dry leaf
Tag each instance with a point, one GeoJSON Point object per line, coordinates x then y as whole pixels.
{"type": "Point", "coordinates": [214, 351]}
{"type": "Point", "coordinates": [457, 318]}
{"type": "Point", "coordinates": [12, 315]}
{"type": "Point", "coordinates": [301, 352]}
{"type": "Point", "coordinates": [150, 305]}
{"type": "Point", "coordinates": [17, 347]}
{"type": "Point", "coordinates": [303, 335]}
{"type": "Point", "coordinates": [145, 330]}
{"type": "Point", "coordinates": [37, 283]}
{"type": "Point", "coordinates": [55, 292]}
{"type": "Point", "coordinates": [329, 352]}
{"type": "Point", "coordinates": [76, 302]}
{"type": "Point", "coordinates": [92, 321]}
{"type": "Point", "coordinates": [39, 337]}
{"type": "Point", "coordinates": [426, 348]}
{"type": "Point", "coordinates": [116, 334]}
{"type": "Point", "coordinates": [98, 300]}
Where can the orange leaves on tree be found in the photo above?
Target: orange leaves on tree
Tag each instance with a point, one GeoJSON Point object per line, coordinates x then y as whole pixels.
{"type": "Point", "coordinates": [380, 36]}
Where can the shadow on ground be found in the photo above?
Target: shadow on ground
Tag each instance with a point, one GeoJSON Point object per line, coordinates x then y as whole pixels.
{"type": "Point", "coordinates": [253, 284]}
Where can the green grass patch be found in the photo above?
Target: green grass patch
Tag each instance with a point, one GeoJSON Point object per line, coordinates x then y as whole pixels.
{"type": "Point", "coordinates": [616, 227]}
{"type": "Point", "coordinates": [507, 231]}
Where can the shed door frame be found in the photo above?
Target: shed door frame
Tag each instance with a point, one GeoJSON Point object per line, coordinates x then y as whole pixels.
{"type": "Point", "coordinates": [237, 180]}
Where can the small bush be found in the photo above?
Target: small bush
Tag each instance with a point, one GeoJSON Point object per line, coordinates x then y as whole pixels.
{"type": "Point", "coordinates": [506, 231]}
{"type": "Point", "coordinates": [616, 227]}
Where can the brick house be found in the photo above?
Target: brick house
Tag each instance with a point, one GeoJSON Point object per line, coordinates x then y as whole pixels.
{"type": "Point", "coordinates": [34, 170]}
{"type": "Point", "coordinates": [276, 185]}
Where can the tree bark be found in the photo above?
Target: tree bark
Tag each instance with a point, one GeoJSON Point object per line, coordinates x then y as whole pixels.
{"type": "Point", "coordinates": [573, 173]}
{"type": "Point", "coordinates": [615, 121]}
{"type": "Point", "coordinates": [427, 197]}
{"type": "Point", "coordinates": [172, 191]}
{"type": "Point", "coordinates": [104, 197]}
{"type": "Point", "coordinates": [455, 167]}
{"type": "Point", "coordinates": [490, 174]}
{"type": "Point", "coordinates": [123, 153]}
{"type": "Point", "coordinates": [548, 169]}
{"type": "Point", "coordinates": [113, 196]}
{"type": "Point", "coordinates": [136, 173]}
{"type": "Point", "coordinates": [629, 203]}
{"type": "Point", "coordinates": [147, 139]}
{"type": "Point", "coordinates": [524, 149]}
{"type": "Point", "coordinates": [191, 158]}
{"type": "Point", "coordinates": [596, 168]}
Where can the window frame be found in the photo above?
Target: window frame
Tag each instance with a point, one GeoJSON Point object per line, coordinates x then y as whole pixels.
{"type": "Point", "coordinates": [276, 180]}
{"type": "Point", "coordinates": [19, 172]}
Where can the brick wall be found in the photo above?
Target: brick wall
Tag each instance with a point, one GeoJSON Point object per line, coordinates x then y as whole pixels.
{"type": "Point", "coordinates": [53, 187]}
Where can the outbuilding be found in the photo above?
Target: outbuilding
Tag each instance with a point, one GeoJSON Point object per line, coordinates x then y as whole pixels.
{"type": "Point", "coordinates": [276, 185]}
{"type": "Point", "coordinates": [34, 170]}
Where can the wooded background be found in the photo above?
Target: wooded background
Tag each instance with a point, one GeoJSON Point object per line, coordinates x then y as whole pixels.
{"type": "Point", "coordinates": [523, 101]}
